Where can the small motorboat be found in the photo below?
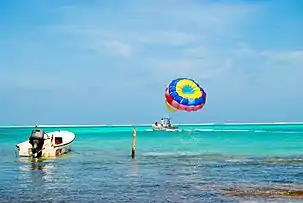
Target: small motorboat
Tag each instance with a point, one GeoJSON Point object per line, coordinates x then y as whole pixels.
{"type": "Point", "coordinates": [165, 125]}
{"type": "Point", "coordinates": [41, 144]}
{"type": "Point", "coordinates": [155, 128]}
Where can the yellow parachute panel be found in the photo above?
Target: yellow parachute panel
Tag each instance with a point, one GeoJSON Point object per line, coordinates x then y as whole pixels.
{"type": "Point", "coordinates": [170, 108]}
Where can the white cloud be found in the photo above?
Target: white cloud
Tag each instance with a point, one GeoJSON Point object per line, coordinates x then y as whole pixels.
{"type": "Point", "coordinates": [41, 82]}
{"type": "Point", "coordinates": [119, 48]}
{"type": "Point", "coordinates": [163, 70]}
{"type": "Point", "coordinates": [246, 74]}
{"type": "Point", "coordinates": [169, 37]}
{"type": "Point", "coordinates": [169, 22]}
{"type": "Point", "coordinates": [199, 14]}
{"type": "Point", "coordinates": [293, 57]}
{"type": "Point", "coordinates": [197, 52]}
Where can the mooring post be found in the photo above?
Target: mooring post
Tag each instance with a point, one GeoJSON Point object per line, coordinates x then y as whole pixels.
{"type": "Point", "coordinates": [134, 143]}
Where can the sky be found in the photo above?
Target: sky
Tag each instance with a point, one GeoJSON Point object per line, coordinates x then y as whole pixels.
{"type": "Point", "coordinates": [108, 62]}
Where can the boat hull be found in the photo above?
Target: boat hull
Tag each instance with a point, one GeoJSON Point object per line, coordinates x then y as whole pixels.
{"type": "Point", "coordinates": [51, 147]}
{"type": "Point", "coordinates": [159, 128]}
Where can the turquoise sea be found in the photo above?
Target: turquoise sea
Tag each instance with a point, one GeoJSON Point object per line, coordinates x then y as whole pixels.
{"type": "Point", "coordinates": [203, 163]}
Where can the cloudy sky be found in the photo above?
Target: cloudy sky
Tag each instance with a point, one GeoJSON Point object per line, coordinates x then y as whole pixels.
{"type": "Point", "coordinates": [96, 62]}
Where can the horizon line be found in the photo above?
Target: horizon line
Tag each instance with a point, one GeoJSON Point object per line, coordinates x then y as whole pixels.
{"type": "Point", "coordinates": [145, 125]}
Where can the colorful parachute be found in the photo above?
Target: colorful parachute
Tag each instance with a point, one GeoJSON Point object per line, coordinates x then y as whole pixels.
{"type": "Point", "coordinates": [184, 94]}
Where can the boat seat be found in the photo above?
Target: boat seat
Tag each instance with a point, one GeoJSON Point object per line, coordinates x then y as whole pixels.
{"type": "Point", "coordinates": [58, 140]}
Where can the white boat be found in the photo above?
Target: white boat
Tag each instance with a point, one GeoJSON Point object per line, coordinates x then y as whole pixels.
{"type": "Point", "coordinates": [41, 144]}
{"type": "Point", "coordinates": [165, 125]}
{"type": "Point", "coordinates": [155, 128]}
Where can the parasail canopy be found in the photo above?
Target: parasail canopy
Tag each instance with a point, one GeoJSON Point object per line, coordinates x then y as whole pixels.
{"type": "Point", "coordinates": [184, 94]}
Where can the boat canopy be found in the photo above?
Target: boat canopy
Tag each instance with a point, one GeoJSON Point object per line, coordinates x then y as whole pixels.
{"type": "Point", "coordinates": [166, 118]}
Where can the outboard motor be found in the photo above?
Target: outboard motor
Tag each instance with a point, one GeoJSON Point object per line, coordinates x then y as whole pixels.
{"type": "Point", "coordinates": [37, 141]}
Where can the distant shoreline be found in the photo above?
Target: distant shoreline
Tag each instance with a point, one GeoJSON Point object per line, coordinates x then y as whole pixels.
{"type": "Point", "coordinates": [146, 125]}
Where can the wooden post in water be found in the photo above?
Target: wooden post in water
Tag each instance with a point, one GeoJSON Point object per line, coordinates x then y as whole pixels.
{"type": "Point", "coordinates": [134, 143]}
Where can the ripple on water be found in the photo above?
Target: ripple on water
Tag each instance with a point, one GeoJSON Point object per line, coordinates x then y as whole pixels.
{"type": "Point", "coordinates": [162, 179]}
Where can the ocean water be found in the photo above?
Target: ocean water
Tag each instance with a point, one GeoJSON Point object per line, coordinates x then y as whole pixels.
{"type": "Point", "coordinates": [203, 163]}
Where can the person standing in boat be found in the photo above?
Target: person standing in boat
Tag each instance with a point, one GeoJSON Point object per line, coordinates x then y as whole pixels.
{"type": "Point", "coordinates": [168, 124]}
{"type": "Point", "coordinates": [162, 122]}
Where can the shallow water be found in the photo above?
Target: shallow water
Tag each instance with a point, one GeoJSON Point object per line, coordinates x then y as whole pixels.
{"type": "Point", "coordinates": [197, 165]}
